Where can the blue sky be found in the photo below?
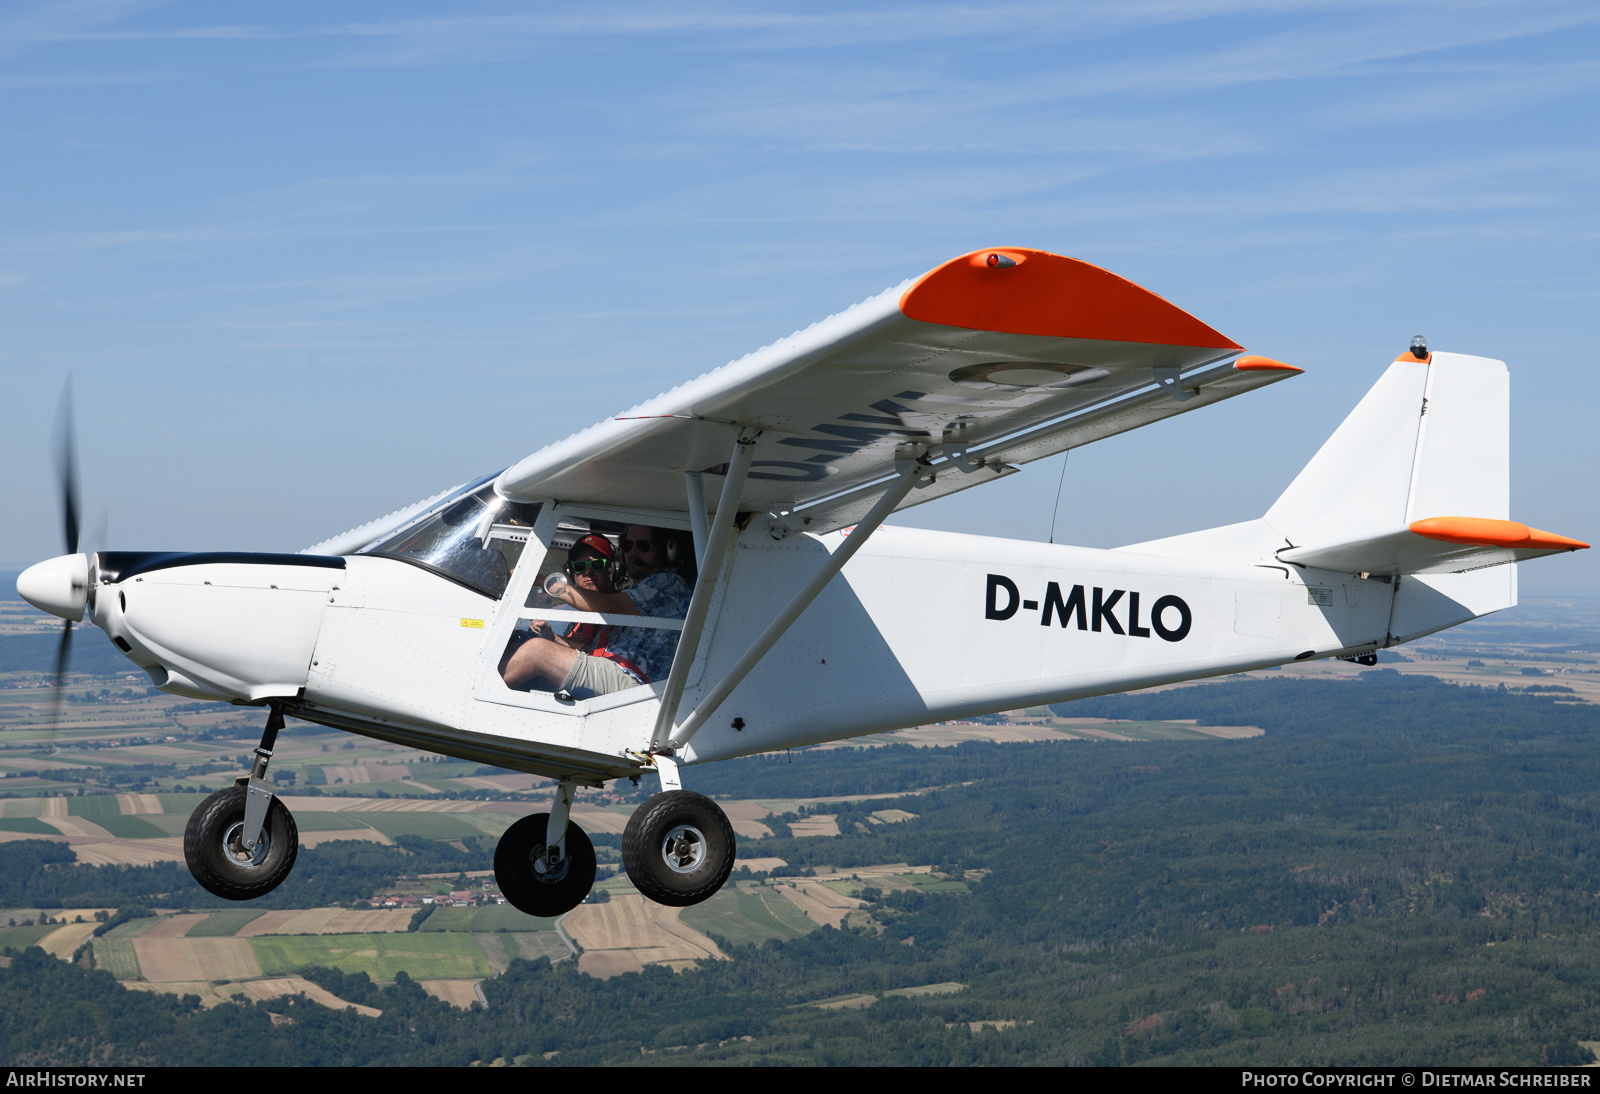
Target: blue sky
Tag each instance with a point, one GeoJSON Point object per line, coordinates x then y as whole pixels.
{"type": "Point", "coordinates": [311, 265]}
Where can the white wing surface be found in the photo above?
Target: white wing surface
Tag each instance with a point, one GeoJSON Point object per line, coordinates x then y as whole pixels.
{"type": "Point", "coordinates": [993, 359]}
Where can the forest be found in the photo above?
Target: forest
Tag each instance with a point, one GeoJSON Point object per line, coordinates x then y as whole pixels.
{"type": "Point", "coordinates": [1401, 871]}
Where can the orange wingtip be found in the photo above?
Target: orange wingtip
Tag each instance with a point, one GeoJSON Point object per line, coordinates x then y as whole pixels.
{"type": "Point", "coordinates": [1483, 532]}
{"type": "Point", "coordinates": [1251, 363]}
{"type": "Point", "coordinates": [1036, 292]}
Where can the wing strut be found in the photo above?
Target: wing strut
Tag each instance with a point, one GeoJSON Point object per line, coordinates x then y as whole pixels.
{"type": "Point", "coordinates": [910, 473]}
{"type": "Point", "coordinates": [710, 548]}
{"type": "Point", "coordinates": [694, 485]}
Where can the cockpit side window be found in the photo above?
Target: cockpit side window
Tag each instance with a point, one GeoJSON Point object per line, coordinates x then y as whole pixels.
{"type": "Point", "coordinates": [605, 611]}
{"type": "Point", "coordinates": [475, 538]}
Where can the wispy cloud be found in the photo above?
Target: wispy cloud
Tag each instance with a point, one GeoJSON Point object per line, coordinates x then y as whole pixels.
{"type": "Point", "coordinates": [491, 37]}
{"type": "Point", "coordinates": [355, 194]}
{"type": "Point", "coordinates": [55, 242]}
{"type": "Point", "coordinates": [32, 24]}
{"type": "Point", "coordinates": [1439, 91]}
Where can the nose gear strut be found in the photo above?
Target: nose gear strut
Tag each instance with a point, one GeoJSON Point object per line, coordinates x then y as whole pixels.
{"type": "Point", "coordinates": [258, 792]}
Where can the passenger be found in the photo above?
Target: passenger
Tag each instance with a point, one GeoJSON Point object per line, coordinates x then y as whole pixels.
{"type": "Point", "coordinates": [598, 660]}
{"type": "Point", "coordinates": [660, 564]}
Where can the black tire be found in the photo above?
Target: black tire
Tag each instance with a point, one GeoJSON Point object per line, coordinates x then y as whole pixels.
{"type": "Point", "coordinates": [218, 864]}
{"type": "Point", "coordinates": [519, 867]}
{"type": "Point", "coordinates": [678, 848]}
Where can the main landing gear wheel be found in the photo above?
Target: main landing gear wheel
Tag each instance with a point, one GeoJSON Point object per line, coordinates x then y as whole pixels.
{"type": "Point", "coordinates": [224, 866]}
{"type": "Point", "coordinates": [528, 879]}
{"type": "Point", "coordinates": [678, 848]}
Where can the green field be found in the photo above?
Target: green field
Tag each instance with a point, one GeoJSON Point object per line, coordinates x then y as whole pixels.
{"type": "Point", "coordinates": [133, 928]}
{"type": "Point", "coordinates": [32, 784]}
{"type": "Point", "coordinates": [224, 924]}
{"type": "Point", "coordinates": [180, 804]}
{"type": "Point", "coordinates": [20, 938]}
{"type": "Point", "coordinates": [1142, 731]}
{"type": "Point", "coordinates": [171, 824]}
{"type": "Point", "coordinates": [493, 917]}
{"type": "Point", "coordinates": [327, 822]}
{"type": "Point", "coordinates": [453, 770]}
{"type": "Point", "coordinates": [947, 987]}
{"type": "Point", "coordinates": [30, 825]}
{"type": "Point", "coordinates": [94, 806]}
{"type": "Point", "coordinates": [398, 788]}
{"type": "Point", "coordinates": [442, 787]}
{"type": "Point", "coordinates": [502, 949]}
{"type": "Point", "coordinates": [131, 827]}
{"type": "Point", "coordinates": [937, 885]}
{"type": "Point", "coordinates": [427, 825]}
{"type": "Point", "coordinates": [116, 956]}
{"type": "Point", "coordinates": [423, 956]}
{"type": "Point", "coordinates": [745, 916]}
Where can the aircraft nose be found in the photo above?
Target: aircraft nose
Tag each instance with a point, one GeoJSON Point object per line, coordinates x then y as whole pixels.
{"type": "Point", "coordinates": [58, 585]}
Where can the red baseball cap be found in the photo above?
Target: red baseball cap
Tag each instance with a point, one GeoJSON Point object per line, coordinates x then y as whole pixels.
{"type": "Point", "coordinates": [598, 542]}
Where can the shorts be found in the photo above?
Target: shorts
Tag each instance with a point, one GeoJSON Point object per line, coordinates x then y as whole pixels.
{"type": "Point", "coordinates": [591, 676]}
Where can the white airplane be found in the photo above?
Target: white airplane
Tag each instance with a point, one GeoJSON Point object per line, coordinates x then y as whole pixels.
{"type": "Point", "coordinates": [769, 608]}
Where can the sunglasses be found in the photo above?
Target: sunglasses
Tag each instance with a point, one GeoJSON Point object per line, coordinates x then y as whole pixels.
{"type": "Point", "coordinates": [626, 545]}
{"type": "Point", "coordinates": [581, 565]}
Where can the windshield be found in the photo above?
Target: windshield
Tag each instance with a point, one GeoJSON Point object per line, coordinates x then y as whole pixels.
{"type": "Point", "coordinates": [474, 537]}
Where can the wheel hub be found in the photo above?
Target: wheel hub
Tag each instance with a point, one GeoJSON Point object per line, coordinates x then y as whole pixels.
{"type": "Point", "coordinates": [684, 848]}
{"type": "Point", "coordinates": [238, 853]}
{"type": "Point", "coordinates": [543, 869]}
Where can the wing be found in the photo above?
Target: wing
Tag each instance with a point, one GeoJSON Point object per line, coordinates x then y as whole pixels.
{"type": "Point", "coordinates": [991, 360]}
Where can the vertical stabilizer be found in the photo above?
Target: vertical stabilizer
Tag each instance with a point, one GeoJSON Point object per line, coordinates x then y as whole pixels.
{"type": "Point", "coordinates": [1431, 439]}
{"type": "Point", "coordinates": [1358, 483]}
{"type": "Point", "coordinates": [1415, 483]}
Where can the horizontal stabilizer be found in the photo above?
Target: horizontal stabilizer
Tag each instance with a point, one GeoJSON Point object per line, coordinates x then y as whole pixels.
{"type": "Point", "coordinates": [1436, 545]}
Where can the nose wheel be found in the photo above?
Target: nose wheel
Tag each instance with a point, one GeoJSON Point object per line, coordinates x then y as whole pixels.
{"type": "Point", "coordinates": [542, 880]}
{"type": "Point", "coordinates": [214, 849]}
{"type": "Point", "coordinates": [678, 848]}
{"type": "Point", "coordinates": [242, 842]}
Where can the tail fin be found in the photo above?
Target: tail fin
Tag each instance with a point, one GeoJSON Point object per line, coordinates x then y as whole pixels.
{"type": "Point", "coordinates": [1415, 484]}
{"type": "Point", "coordinates": [1417, 480]}
{"type": "Point", "coordinates": [1431, 439]}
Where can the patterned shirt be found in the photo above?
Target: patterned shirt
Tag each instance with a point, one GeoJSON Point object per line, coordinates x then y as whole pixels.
{"type": "Point", "coordinates": [661, 596]}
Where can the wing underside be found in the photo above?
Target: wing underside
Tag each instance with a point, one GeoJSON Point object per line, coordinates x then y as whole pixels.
{"type": "Point", "coordinates": [992, 360]}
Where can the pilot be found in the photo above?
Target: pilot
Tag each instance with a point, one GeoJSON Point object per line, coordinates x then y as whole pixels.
{"type": "Point", "coordinates": [592, 566]}
{"type": "Point", "coordinates": [595, 662]}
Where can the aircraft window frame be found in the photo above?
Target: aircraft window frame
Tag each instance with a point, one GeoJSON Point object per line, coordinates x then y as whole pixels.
{"type": "Point", "coordinates": [513, 609]}
{"type": "Point", "coordinates": [455, 495]}
{"type": "Point", "coordinates": [487, 530]}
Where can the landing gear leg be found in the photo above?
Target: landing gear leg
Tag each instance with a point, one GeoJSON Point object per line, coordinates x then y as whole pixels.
{"type": "Point", "coordinates": [258, 791]}
{"type": "Point", "coordinates": [242, 842]}
{"type": "Point", "coordinates": [545, 864]}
